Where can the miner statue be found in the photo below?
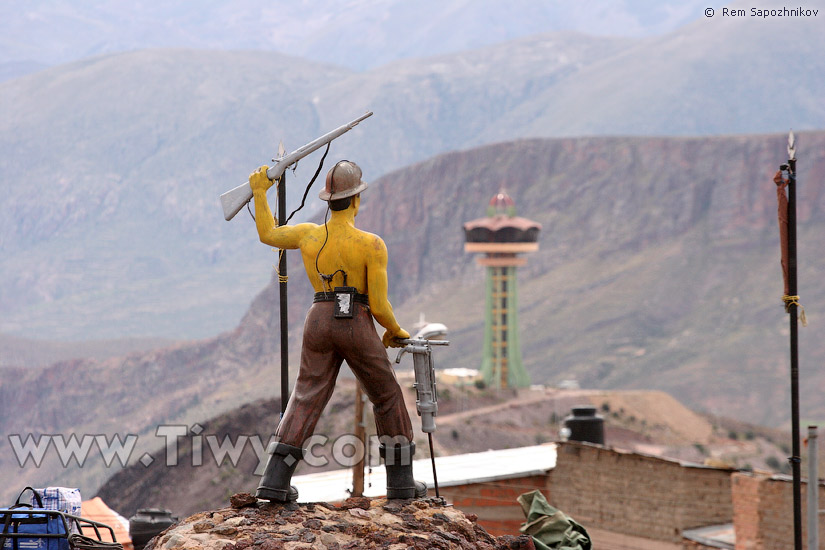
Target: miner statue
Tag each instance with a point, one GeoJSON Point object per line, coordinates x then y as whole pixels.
{"type": "Point", "coordinates": [347, 268]}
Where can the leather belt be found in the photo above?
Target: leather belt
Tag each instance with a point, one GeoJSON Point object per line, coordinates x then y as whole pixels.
{"type": "Point", "coordinates": [330, 297]}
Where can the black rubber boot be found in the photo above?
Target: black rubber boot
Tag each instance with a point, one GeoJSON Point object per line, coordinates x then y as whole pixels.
{"type": "Point", "coordinates": [400, 482]}
{"type": "Point", "coordinates": [274, 486]}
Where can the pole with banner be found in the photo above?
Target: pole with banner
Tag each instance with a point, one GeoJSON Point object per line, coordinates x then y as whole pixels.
{"type": "Point", "coordinates": [787, 234]}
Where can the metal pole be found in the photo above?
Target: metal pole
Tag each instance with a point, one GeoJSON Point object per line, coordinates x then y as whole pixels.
{"type": "Point", "coordinates": [794, 325]}
{"type": "Point", "coordinates": [813, 491]}
{"type": "Point", "coordinates": [282, 287]}
{"type": "Point", "coordinates": [432, 458]}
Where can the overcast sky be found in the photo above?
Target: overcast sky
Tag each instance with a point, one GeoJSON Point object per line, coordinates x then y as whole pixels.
{"type": "Point", "coordinates": [359, 34]}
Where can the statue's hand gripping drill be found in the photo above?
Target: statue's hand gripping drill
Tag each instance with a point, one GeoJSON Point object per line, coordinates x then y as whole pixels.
{"type": "Point", "coordinates": [395, 339]}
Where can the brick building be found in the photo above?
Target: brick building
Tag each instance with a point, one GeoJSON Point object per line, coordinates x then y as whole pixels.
{"type": "Point", "coordinates": [634, 501]}
{"type": "Point", "coordinates": [762, 508]}
{"type": "Point", "coordinates": [625, 500]}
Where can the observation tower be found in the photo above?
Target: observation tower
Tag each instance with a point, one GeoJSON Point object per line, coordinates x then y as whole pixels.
{"type": "Point", "coordinates": [501, 237]}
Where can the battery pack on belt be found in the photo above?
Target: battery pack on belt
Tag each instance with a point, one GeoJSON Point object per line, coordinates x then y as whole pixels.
{"type": "Point", "coordinates": [344, 298]}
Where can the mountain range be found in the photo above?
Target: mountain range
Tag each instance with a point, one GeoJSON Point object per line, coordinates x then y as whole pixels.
{"type": "Point", "coordinates": [658, 264]}
{"type": "Point", "coordinates": [358, 34]}
{"type": "Point", "coordinates": [111, 166]}
{"type": "Point", "coordinates": [658, 268]}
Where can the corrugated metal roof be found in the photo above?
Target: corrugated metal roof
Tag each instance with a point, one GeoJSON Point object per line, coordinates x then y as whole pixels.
{"type": "Point", "coordinates": [453, 470]}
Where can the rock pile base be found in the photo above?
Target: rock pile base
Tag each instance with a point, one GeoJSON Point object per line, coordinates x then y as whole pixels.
{"type": "Point", "coordinates": [357, 523]}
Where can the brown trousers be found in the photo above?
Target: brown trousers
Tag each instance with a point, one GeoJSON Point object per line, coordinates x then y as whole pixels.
{"type": "Point", "coordinates": [327, 343]}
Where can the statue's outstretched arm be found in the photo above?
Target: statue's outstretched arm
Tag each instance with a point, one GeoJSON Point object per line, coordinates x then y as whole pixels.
{"type": "Point", "coordinates": [285, 236]}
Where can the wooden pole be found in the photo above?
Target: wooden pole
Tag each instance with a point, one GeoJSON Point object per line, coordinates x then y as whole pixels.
{"type": "Point", "coordinates": [813, 490]}
{"type": "Point", "coordinates": [360, 432]}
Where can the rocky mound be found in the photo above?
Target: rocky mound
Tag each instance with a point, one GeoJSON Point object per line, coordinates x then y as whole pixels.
{"type": "Point", "coordinates": [357, 523]}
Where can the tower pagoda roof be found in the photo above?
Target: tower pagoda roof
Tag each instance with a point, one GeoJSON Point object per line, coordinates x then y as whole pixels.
{"type": "Point", "coordinates": [501, 224]}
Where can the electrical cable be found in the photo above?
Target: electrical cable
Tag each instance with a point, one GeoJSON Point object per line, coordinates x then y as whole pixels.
{"type": "Point", "coordinates": [327, 279]}
{"type": "Point", "coordinates": [326, 238]}
{"type": "Point", "coordinates": [306, 192]}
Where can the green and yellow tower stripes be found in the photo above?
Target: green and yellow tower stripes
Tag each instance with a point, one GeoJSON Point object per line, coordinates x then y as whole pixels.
{"type": "Point", "coordinates": [500, 237]}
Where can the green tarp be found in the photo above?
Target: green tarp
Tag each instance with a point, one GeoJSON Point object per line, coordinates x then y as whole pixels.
{"type": "Point", "coordinates": [549, 527]}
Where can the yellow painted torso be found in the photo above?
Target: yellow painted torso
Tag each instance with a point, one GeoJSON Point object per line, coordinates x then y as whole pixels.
{"type": "Point", "coordinates": [347, 249]}
{"type": "Point", "coordinates": [362, 255]}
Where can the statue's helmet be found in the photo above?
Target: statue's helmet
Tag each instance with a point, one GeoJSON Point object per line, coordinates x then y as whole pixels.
{"type": "Point", "coordinates": [343, 180]}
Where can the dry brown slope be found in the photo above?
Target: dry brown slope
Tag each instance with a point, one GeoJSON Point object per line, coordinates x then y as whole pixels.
{"type": "Point", "coordinates": [472, 420]}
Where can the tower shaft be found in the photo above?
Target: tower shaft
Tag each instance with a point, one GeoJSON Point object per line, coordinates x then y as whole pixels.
{"type": "Point", "coordinates": [501, 362]}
